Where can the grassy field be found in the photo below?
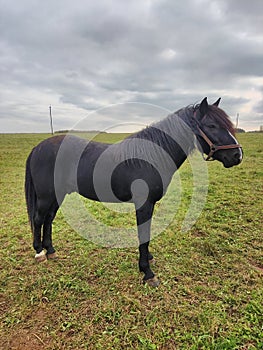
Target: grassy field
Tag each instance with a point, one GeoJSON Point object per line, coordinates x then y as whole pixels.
{"type": "Point", "coordinates": [211, 289]}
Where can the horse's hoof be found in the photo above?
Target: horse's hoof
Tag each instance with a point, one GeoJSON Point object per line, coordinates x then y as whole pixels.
{"type": "Point", "coordinates": [52, 256]}
{"type": "Point", "coordinates": [41, 257]}
{"type": "Point", "coordinates": [153, 282]}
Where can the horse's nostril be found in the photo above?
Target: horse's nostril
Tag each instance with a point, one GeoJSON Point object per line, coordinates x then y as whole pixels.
{"type": "Point", "coordinates": [237, 155]}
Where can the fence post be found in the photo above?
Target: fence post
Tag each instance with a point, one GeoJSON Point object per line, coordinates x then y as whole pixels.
{"type": "Point", "coordinates": [51, 121]}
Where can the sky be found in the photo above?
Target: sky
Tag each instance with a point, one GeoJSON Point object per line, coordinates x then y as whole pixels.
{"type": "Point", "coordinates": [82, 56]}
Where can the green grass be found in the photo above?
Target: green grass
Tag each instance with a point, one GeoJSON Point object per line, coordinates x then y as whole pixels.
{"type": "Point", "coordinates": [211, 291]}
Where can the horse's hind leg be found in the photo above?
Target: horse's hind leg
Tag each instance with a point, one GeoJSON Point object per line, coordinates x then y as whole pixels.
{"type": "Point", "coordinates": [38, 222]}
{"type": "Point", "coordinates": [47, 231]}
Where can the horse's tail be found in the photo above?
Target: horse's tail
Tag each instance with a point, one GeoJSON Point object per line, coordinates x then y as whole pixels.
{"type": "Point", "coordinates": [30, 192]}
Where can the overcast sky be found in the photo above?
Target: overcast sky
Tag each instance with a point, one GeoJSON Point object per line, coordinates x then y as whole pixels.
{"type": "Point", "coordinates": [80, 55]}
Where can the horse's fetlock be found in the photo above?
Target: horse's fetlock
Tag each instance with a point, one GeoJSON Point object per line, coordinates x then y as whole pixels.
{"type": "Point", "coordinates": [40, 257]}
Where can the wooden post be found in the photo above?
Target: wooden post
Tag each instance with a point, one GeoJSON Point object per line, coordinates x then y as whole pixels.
{"type": "Point", "coordinates": [51, 121]}
{"type": "Point", "coordinates": [237, 120]}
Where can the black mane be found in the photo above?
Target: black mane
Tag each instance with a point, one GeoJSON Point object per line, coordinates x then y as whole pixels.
{"type": "Point", "coordinates": [173, 134]}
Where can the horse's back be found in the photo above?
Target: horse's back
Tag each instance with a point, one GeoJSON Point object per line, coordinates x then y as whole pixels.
{"type": "Point", "coordinates": [55, 162]}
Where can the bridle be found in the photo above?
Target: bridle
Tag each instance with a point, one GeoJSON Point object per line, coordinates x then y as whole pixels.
{"type": "Point", "coordinates": [214, 148]}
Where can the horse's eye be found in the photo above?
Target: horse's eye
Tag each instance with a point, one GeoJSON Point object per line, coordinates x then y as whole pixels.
{"type": "Point", "coordinates": [211, 126]}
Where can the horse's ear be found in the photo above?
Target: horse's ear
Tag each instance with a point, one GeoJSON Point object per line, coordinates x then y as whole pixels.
{"type": "Point", "coordinates": [217, 102]}
{"type": "Point", "coordinates": [203, 107]}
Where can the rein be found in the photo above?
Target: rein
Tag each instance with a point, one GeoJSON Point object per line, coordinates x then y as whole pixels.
{"type": "Point", "coordinates": [214, 148]}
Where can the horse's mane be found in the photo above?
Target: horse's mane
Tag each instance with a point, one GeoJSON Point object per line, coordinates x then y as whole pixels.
{"type": "Point", "coordinates": [161, 137]}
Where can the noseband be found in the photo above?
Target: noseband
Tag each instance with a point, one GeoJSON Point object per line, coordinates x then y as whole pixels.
{"type": "Point", "coordinates": [214, 148]}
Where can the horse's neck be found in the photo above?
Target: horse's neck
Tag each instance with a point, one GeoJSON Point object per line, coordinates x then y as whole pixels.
{"type": "Point", "coordinates": [181, 139]}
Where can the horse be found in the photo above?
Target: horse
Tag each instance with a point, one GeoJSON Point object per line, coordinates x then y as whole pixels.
{"type": "Point", "coordinates": [138, 169]}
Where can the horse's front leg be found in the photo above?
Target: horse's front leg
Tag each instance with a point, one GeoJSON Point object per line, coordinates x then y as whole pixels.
{"type": "Point", "coordinates": [144, 216]}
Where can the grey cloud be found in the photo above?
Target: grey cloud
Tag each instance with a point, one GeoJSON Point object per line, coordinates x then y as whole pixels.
{"type": "Point", "coordinates": [258, 108]}
{"type": "Point", "coordinates": [85, 55]}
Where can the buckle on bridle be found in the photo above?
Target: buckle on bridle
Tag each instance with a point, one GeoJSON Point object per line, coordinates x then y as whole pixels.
{"type": "Point", "coordinates": [209, 157]}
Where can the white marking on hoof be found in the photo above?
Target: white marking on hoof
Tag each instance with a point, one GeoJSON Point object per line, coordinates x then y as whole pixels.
{"type": "Point", "coordinates": [40, 257]}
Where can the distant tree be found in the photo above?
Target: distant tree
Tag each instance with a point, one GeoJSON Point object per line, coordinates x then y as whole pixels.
{"type": "Point", "coordinates": [239, 130]}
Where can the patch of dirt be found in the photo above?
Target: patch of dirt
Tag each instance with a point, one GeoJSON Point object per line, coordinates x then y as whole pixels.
{"type": "Point", "coordinates": [28, 338]}
{"type": "Point", "coordinates": [24, 339]}
{"type": "Point", "coordinates": [199, 233]}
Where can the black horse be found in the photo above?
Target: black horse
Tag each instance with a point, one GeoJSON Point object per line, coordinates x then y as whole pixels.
{"type": "Point", "coordinates": [137, 169]}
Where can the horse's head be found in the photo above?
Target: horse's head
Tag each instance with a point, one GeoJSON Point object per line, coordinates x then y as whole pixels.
{"type": "Point", "coordinates": [215, 134]}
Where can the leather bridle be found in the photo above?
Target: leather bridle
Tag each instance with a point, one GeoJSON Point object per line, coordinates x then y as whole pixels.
{"type": "Point", "coordinates": [214, 148]}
